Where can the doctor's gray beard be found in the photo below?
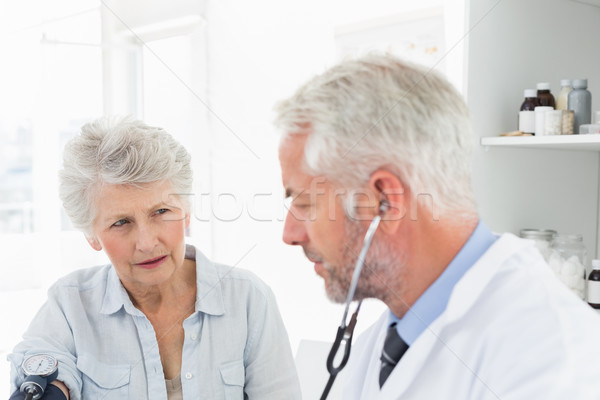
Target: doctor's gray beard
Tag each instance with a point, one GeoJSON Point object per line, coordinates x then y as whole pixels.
{"type": "Point", "coordinates": [379, 261]}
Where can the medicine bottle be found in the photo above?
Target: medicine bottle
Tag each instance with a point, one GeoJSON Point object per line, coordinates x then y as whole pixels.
{"type": "Point", "coordinates": [531, 101]}
{"type": "Point", "coordinates": [544, 96]}
{"type": "Point", "coordinates": [580, 101]}
{"type": "Point", "coordinates": [562, 100]}
{"type": "Point", "coordinates": [593, 292]}
{"type": "Point", "coordinates": [526, 112]}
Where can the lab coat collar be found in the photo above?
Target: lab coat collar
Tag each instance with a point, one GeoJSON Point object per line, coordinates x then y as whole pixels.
{"type": "Point", "coordinates": [480, 275]}
{"type": "Point", "coordinates": [209, 297]}
{"type": "Point", "coordinates": [461, 300]}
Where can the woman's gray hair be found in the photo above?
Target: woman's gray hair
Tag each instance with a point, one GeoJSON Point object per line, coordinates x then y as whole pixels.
{"type": "Point", "coordinates": [380, 112]}
{"type": "Point", "coordinates": [119, 151]}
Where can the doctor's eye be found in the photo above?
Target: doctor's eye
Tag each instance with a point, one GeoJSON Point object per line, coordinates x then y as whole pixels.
{"type": "Point", "coordinates": [302, 205]}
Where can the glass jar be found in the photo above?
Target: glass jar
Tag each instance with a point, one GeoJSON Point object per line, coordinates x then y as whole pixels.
{"type": "Point", "coordinates": [568, 260]}
{"type": "Point", "coordinates": [541, 237]}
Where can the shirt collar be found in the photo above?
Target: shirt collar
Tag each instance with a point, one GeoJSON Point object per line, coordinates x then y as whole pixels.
{"type": "Point", "coordinates": [209, 297]}
{"type": "Point", "coordinates": [432, 303]}
{"type": "Point", "coordinates": [115, 296]}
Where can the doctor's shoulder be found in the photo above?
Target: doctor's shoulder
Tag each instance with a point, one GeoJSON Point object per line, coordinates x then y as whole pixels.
{"type": "Point", "coordinates": [531, 324]}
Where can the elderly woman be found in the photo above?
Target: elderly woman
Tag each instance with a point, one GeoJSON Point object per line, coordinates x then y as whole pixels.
{"type": "Point", "coordinates": [161, 321]}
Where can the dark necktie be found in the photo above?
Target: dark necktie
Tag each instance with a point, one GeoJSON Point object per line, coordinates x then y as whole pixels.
{"type": "Point", "coordinates": [393, 349]}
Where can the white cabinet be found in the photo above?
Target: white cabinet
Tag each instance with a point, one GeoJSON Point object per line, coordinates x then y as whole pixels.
{"type": "Point", "coordinates": [532, 182]}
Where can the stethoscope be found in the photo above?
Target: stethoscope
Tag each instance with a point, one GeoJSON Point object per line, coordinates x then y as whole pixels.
{"type": "Point", "coordinates": [345, 331]}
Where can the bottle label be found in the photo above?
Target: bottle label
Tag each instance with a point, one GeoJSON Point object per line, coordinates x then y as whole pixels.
{"type": "Point", "coordinates": [593, 292]}
{"type": "Point", "coordinates": [527, 121]}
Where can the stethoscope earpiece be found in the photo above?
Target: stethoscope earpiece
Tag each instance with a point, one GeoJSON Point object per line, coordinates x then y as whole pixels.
{"type": "Point", "coordinates": [383, 207]}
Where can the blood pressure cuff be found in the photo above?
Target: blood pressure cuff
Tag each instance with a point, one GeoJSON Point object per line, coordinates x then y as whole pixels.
{"type": "Point", "coordinates": [51, 393]}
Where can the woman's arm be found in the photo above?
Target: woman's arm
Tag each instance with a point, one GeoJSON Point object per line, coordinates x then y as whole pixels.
{"type": "Point", "coordinates": [270, 369]}
{"type": "Point", "coordinates": [49, 333]}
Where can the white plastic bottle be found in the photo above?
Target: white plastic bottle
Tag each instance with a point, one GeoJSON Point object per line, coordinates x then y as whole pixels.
{"type": "Point", "coordinates": [562, 100]}
{"type": "Point", "coordinates": [580, 101]}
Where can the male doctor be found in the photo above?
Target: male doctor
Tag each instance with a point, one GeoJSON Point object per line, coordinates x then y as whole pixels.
{"type": "Point", "coordinates": [472, 314]}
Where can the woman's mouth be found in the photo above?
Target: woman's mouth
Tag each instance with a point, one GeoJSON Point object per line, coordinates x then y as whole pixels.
{"type": "Point", "coordinates": [152, 263]}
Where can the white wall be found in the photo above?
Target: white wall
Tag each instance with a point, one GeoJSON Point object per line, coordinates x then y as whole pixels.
{"type": "Point", "coordinates": [513, 45]}
{"type": "Point", "coordinates": [259, 53]}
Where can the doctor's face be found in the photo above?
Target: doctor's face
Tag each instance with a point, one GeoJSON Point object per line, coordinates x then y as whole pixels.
{"type": "Point", "coordinates": [142, 230]}
{"type": "Point", "coordinates": [316, 221]}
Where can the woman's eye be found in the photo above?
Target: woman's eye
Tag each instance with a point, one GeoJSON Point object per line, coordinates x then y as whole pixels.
{"type": "Point", "coordinates": [162, 211]}
{"type": "Point", "coordinates": [120, 222]}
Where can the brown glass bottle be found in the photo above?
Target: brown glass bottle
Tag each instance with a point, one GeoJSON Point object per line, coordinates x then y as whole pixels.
{"type": "Point", "coordinates": [544, 96]}
{"type": "Point", "coordinates": [531, 100]}
{"type": "Point", "coordinates": [593, 293]}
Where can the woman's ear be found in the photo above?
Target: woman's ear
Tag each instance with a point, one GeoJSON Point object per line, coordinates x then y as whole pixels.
{"type": "Point", "coordinates": [94, 243]}
{"type": "Point", "coordinates": [393, 199]}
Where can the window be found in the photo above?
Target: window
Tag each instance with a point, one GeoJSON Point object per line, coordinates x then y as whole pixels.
{"type": "Point", "coordinates": [70, 62]}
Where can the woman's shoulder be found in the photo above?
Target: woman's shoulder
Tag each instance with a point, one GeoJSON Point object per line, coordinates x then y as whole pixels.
{"type": "Point", "coordinates": [227, 275]}
{"type": "Point", "coordinates": [84, 278]}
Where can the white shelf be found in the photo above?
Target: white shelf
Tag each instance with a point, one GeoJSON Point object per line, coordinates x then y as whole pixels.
{"type": "Point", "coordinates": [589, 142]}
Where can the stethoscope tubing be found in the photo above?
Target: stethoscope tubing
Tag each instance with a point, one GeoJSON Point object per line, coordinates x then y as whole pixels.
{"type": "Point", "coordinates": [345, 332]}
{"type": "Point", "coordinates": [359, 265]}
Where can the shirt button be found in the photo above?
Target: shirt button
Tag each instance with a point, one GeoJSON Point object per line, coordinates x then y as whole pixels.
{"type": "Point", "coordinates": [188, 375]}
{"type": "Point", "coordinates": [194, 337]}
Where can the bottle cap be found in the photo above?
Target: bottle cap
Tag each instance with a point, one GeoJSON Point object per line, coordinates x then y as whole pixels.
{"type": "Point", "coordinates": [530, 93]}
{"type": "Point", "coordinates": [579, 83]}
{"type": "Point", "coordinates": [543, 86]}
{"type": "Point", "coordinates": [596, 264]}
{"type": "Point", "coordinates": [565, 82]}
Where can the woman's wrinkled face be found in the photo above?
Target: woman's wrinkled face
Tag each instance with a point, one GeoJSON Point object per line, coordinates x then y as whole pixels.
{"type": "Point", "coordinates": [142, 230]}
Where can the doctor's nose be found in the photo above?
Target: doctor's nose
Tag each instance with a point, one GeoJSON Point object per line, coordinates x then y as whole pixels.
{"type": "Point", "coordinates": [294, 231]}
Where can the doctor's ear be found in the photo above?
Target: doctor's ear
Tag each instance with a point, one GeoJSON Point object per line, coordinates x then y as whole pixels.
{"type": "Point", "coordinates": [392, 205]}
{"type": "Point", "coordinates": [94, 243]}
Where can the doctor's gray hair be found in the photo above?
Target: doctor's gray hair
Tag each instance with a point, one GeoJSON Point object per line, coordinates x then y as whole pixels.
{"type": "Point", "coordinates": [119, 151]}
{"type": "Point", "coordinates": [378, 112]}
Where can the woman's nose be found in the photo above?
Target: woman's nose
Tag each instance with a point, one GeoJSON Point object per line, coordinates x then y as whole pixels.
{"type": "Point", "coordinates": [146, 239]}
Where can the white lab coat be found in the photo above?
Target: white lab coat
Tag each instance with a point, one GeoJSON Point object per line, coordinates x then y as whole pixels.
{"type": "Point", "coordinates": [511, 331]}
